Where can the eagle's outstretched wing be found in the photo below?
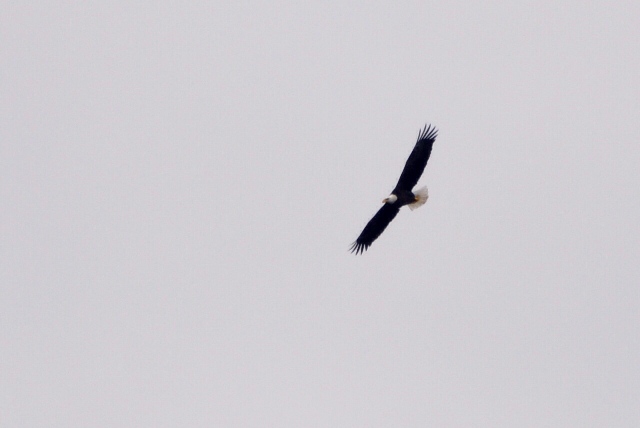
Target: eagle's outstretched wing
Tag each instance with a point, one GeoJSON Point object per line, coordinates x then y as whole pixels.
{"type": "Point", "coordinates": [417, 159]}
{"type": "Point", "coordinates": [374, 228]}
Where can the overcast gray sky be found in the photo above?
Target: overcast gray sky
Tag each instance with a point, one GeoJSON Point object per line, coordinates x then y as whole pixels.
{"type": "Point", "coordinates": [180, 183]}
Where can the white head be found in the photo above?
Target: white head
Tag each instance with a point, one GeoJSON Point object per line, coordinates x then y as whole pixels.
{"type": "Point", "coordinates": [390, 199]}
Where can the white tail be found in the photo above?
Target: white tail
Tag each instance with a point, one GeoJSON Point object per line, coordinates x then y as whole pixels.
{"type": "Point", "coordinates": [422, 194]}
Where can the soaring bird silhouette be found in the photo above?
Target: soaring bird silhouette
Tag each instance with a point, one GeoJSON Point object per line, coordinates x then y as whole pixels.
{"type": "Point", "coordinates": [402, 194]}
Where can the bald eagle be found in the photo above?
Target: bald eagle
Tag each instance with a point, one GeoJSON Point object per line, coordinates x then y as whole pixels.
{"type": "Point", "coordinates": [402, 194]}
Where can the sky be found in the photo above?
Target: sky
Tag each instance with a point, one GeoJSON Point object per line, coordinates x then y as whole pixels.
{"type": "Point", "coordinates": [180, 184]}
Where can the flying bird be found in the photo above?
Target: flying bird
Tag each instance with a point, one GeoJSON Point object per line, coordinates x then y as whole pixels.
{"type": "Point", "coordinates": [402, 194]}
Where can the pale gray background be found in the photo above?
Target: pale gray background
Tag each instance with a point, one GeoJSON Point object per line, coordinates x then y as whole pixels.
{"type": "Point", "coordinates": [180, 182]}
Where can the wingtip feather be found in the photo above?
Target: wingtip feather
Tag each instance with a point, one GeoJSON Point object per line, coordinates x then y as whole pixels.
{"type": "Point", "coordinates": [427, 133]}
{"type": "Point", "coordinates": [358, 247]}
